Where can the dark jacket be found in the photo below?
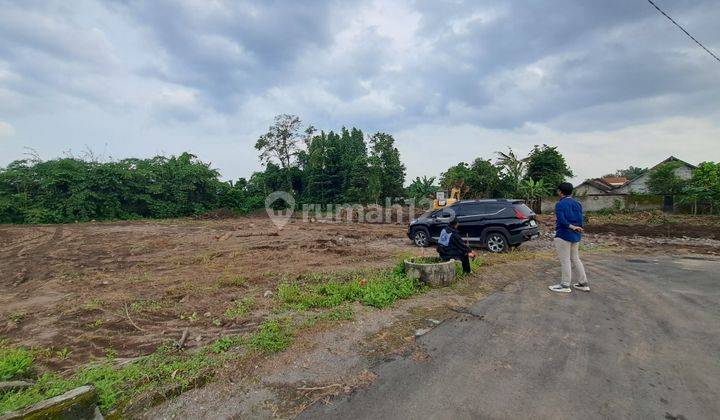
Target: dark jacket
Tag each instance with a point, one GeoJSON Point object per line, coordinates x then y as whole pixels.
{"type": "Point", "coordinates": [456, 247]}
{"type": "Point", "coordinates": [568, 212]}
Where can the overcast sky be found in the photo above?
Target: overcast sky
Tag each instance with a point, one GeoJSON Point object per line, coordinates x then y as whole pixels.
{"type": "Point", "coordinates": [612, 83]}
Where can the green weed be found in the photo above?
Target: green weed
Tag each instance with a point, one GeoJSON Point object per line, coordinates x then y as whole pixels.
{"type": "Point", "coordinates": [15, 362]}
{"type": "Point", "coordinates": [63, 354]}
{"type": "Point", "coordinates": [241, 308]}
{"type": "Point", "coordinates": [149, 305]}
{"type": "Point", "coordinates": [273, 336]}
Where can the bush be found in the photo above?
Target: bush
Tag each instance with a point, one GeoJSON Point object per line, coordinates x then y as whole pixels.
{"type": "Point", "coordinates": [15, 362]}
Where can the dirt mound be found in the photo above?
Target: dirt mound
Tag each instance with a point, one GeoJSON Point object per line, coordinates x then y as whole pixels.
{"type": "Point", "coordinates": [666, 230]}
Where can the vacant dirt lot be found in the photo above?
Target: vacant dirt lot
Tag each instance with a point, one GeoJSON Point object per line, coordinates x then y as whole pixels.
{"type": "Point", "coordinates": [125, 288]}
{"type": "Point", "coordinates": [68, 286]}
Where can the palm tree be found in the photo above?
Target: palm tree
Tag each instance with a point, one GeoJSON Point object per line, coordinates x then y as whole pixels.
{"type": "Point", "coordinates": [513, 166]}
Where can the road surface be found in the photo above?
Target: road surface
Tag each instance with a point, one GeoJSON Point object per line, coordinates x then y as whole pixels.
{"type": "Point", "coordinates": [644, 343]}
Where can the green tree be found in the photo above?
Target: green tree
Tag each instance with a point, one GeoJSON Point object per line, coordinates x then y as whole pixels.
{"type": "Point", "coordinates": [459, 176]}
{"type": "Point", "coordinates": [485, 179]}
{"type": "Point", "coordinates": [512, 171]}
{"type": "Point", "coordinates": [282, 143]}
{"type": "Point", "coordinates": [546, 163]}
{"type": "Point", "coordinates": [704, 186]}
{"type": "Point", "coordinates": [663, 180]}
{"type": "Point", "coordinates": [531, 189]}
{"type": "Point", "coordinates": [631, 172]}
{"type": "Point", "coordinates": [421, 188]}
{"type": "Point", "coordinates": [388, 165]}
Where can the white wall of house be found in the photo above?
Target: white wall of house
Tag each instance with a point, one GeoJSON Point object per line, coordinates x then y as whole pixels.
{"type": "Point", "coordinates": [640, 185]}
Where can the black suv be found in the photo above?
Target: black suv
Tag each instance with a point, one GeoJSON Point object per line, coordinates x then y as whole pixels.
{"type": "Point", "coordinates": [495, 224]}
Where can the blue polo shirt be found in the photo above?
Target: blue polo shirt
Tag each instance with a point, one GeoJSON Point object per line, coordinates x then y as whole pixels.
{"type": "Point", "coordinates": [568, 212]}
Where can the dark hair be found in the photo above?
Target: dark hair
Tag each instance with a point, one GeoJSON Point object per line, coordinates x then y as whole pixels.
{"type": "Point", "coordinates": [566, 188]}
{"type": "Point", "coordinates": [454, 221]}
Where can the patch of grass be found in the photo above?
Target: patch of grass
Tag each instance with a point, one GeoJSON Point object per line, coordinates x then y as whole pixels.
{"type": "Point", "coordinates": [15, 362]}
{"type": "Point", "coordinates": [273, 336]}
{"type": "Point", "coordinates": [226, 343]}
{"type": "Point", "coordinates": [16, 317]}
{"type": "Point", "coordinates": [146, 305]}
{"type": "Point", "coordinates": [242, 307]}
{"type": "Point", "coordinates": [234, 281]}
{"type": "Point", "coordinates": [96, 324]}
{"type": "Point", "coordinates": [93, 304]}
{"type": "Point", "coordinates": [63, 353]}
{"type": "Point", "coordinates": [117, 385]}
{"type": "Point", "coordinates": [378, 289]}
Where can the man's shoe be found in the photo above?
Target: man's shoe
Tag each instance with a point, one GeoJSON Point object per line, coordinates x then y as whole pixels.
{"type": "Point", "coordinates": [583, 287]}
{"type": "Point", "coordinates": [560, 288]}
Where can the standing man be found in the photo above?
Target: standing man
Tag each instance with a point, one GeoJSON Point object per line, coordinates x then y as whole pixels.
{"type": "Point", "coordinates": [451, 246]}
{"type": "Point", "coordinates": [568, 232]}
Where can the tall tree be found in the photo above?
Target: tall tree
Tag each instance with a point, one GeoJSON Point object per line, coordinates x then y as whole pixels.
{"type": "Point", "coordinates": [546, 163]}
{"type": "Point", "coordinates": [389, 167]}
{"type": "Point", "coordinates": [485, 180]}
{"type": "Point", "coordinates": [282, 142]}
{"type": "Point", "coordinates": [512, 170]}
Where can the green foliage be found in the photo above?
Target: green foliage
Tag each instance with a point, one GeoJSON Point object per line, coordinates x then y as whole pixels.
{"type": "Point", "coordinates": [273, 336]}
{"type": "Point", "coordinates": [15, 362]}
{"type": "Point", "coordinates": [69, 190]}
{"type": "Point", "coordinates": [548, 165]}
{"type": "Point", "coordinates": [241, 308]}
{"type": "Point", "coordinates": [385, 164]}
{"type": "Point", "coordinates": [664, 181]}
{"type": "Point", "coordinates": [421, 188]}
{"type": "Point", "coordinates": [631, 172]}
{"type": "Point", "coordinates": [530, 189]}
{"type": "Point", "coordinates": [117, 384]}
{"type": "Point", "coordinates": [378, 289]}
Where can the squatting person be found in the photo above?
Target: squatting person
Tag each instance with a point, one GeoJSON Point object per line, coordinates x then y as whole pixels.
{"type": "Point", "coordinates": [568, 233]}
{"type": "Point", "coordinates": [451, 246]}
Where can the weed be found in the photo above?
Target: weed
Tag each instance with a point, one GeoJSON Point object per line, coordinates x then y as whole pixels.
{"type": "Point", "coordinates": [378, 289]}
{"type": "Point", "coordinates": [236, 281]}
{"type": "Point", "coordinates": [192, 317]}
{"type": "Point", "coordinates": [96, 324]}
{"type": "Point", "coordinates": [149, 305]}
{"type": "Point", "coordinates": [241, 308]}
{"type": "Point", "coordinates": [15, 362]}
{"type": "Point", "coordinates": [217, 322]}
{"type": "Point", "coordinates": [63, 354]}
{"type": "Point", "coordinates": [93, 304]}
{"type": "Point", "coordinates": [225, 343]}
{"type": "Point", "coordinates": [16, 317]}
{"type": "Point", "coordinates": [116, 385]}
{"type": "Point", "coordinates": [272, 337]}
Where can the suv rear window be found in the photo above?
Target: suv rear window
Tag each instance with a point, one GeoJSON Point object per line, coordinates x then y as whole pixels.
{"type": "Point", "coordinates": [525, 210]}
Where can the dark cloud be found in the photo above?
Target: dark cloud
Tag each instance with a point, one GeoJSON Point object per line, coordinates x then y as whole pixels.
{"type": "Point", "coordinates": [227, 67]}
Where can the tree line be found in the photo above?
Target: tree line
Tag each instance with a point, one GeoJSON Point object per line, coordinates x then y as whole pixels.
{"type": "Point", "coordinates": [317, 167]}
{"type": "Point", "coordinates": [510, 176]}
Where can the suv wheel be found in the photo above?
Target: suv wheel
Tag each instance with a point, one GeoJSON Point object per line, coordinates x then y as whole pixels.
{"type": "Point", "coordinates": [496, 242]}
{"type": "Point", "coordinates": [421, 237]}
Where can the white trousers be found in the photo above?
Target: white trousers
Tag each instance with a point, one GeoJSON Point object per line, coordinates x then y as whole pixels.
{"type": "Point", "coordinates": [570, 264]}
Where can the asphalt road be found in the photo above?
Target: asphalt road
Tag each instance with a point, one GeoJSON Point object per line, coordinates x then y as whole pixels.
{"type": "Point", "coordinates": [644, 343]}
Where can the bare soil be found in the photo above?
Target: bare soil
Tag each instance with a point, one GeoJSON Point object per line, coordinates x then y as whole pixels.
{"type": "Point", "coordinates": [68, 286]}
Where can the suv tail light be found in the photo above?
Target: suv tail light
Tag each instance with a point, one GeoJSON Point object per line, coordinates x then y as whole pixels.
{"type": "Point", "coordinates": [519, 215]}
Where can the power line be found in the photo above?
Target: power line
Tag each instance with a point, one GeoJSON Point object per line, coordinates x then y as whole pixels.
{"type": "Point", "coordinates": [683, 29]}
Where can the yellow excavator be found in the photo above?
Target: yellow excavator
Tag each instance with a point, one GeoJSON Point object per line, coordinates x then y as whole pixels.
{"type": "Point", "coordinates": [441, 201]}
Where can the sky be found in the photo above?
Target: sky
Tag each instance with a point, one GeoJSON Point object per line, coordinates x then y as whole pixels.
{"type": "Point", "coordinates": [612, 83]}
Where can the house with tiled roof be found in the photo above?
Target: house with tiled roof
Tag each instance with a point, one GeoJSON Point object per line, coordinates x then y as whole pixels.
{"type": "Point", "coordinates": [620, 192]}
